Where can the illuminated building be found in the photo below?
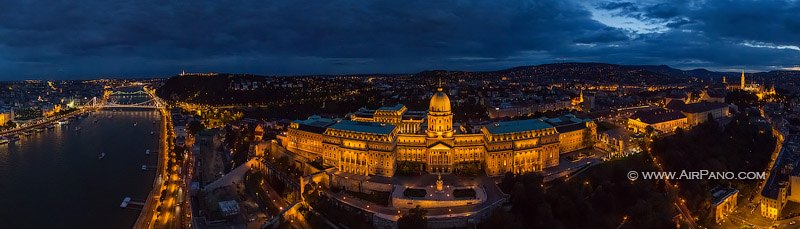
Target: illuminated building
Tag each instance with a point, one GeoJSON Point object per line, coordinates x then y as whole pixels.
{"type": "Point", "coordinates": [758, 89]}
{"type": "Point", "coordinates": [723, 201]}
{"type": "Point", "coordinates": [773, 200]}
{"type": "Point", "coordinates": [48, 111]}
{"type": "Point", "coordinates": [660, 119]}
{"type": "Point", "coordinates": [258, 133]}
{"type": "Point", "coordinates": [6, 116]}
{"type": "Point", "coordinates": [615, 141]}
{"type": "Point", "coordinates": [781, 186]}
{"type": "Point", "coordinates": [573, 133]}
{"type": "Point", "coordinates": [371, 142]}
{"type": "Point", "coordinates": [583, 101]}
{"type": "Point", "coordinates": [711, 96]}
{"type": "Point", "coordinates": [742, 84]}
{"type": "Point", "coordinates": [578, 100]}
{"type": "Point", "coordinates": [409, 122]}
{"type": "Point", "coordinates": [529, 107]}
{"type": "Point", "coordinates": [699, 112]}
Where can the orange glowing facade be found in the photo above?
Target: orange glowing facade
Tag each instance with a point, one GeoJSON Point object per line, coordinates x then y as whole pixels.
{"type": "Point", "coordinates": [373, 142]}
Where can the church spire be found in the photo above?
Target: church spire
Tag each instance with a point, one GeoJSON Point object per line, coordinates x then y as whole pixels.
{"type": "Point", "coordinates": [741, 85]}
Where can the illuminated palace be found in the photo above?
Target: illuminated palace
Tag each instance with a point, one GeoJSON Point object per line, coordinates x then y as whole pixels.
{"type": "Point", "coordinates": [371, 142]}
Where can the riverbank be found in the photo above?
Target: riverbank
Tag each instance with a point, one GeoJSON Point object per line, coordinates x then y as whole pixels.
{"type": "Point", "coordinates": [40, 123]}
{"type": "Point", "coordinates": [148, 214]}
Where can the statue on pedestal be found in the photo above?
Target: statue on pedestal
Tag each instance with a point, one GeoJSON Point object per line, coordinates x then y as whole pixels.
{"type": "Point", "coordinates": [439, 183]}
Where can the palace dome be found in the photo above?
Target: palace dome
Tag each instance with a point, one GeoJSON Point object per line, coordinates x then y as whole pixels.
{"type": "Point", "coordinates": [440, 102]}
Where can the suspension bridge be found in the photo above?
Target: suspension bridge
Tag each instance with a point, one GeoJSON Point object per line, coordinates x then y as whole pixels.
{"type": "Point", "coordinates": [126, 99]}
{"type": "Point", "coordinates": [141, 99]}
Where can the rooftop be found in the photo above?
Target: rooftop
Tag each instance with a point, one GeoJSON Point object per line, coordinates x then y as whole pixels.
{"type": "Point", "coordinates": [657, 115]}
{"type": "Point", "coordinates": [229, 207]}
{"type": "Point", "coordinates": [676, 96]}
{"type": "Point", "coordinates": [517, 126]}
{"type": "Point", "coordinates": [702, 107]}
{"type": "Point", "coordinates": [617, 133]}
{"type": "Point", "coordinates": [364, 114]}
{"type": "Point", "coordinates": [363, 127]}
{"type": "Point", "coordinates": [564, 120]}
{"type": "Point", "coordinates": [314, 124]}
{"type": "Point", "coordinates": [780, 171]}
{"type": "Point", "coordinates": [392, 108]}
{"type": "Point", "coordinates": [571, 127]}
{"type": "Point", "coordinates": [719, 194]}
{"type": "Point", "coordinates": [716, 94]}
{"type": "Point", "coordinates": [415, 114]}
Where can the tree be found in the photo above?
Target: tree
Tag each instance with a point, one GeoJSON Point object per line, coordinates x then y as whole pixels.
{"type": "Point", "coordinates": [501, 219]}
{"type": "Point", "coordinates": [507, 184]}
{"type": "Point", "coordinates": [195, 126]}
{"type": "Point", "coordinates": [649, 130]}
{"type": "Point", "coordinates": [742, 99]}
{"type": "Point", "coordinates": [738, 147]}
{"type": "Point", "coordinates": [679, 131]}
{"type": "Point", "coordinates": [415, 218]}
{"type": "Point", "coordinates": [11, 124]}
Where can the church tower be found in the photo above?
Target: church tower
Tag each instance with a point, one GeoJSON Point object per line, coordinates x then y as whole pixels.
{"type": "Point", "coordinates": [440, 117]}
{"type": "Point", "coordinates": [724, 80]}
{"type": "Point", "coordinates": [741, 85]}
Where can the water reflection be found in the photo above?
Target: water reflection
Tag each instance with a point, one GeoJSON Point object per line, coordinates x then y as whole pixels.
{"type": "Point", "coordinates": [56, 174]}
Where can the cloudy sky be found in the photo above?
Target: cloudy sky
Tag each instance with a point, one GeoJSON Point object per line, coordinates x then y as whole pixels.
{"type": "Point", "coordinates": [85, 39]}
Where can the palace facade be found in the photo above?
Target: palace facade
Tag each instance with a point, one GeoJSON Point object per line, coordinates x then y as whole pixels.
{"type": "Point", "coordinates": [372, 142]}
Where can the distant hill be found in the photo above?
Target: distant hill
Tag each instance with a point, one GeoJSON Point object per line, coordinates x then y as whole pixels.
{"type": "Point", "coordinates": [209, 88]}
{"type": "Point", "coordinates": [204, 88]}
{"type": "Point", "coordinates": [603, 72]}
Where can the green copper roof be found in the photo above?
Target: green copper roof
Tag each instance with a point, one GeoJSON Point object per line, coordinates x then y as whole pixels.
{"type": "Point", "coordinates": [517, 126]}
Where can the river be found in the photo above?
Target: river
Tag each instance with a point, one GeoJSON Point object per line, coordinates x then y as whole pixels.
{"type": "Point", "coordinates": [54, 179]}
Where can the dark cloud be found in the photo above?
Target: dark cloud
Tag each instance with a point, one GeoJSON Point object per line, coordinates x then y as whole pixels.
{"type": "Point", "coordinates": [68, 39]}
{"type": "Point", "coordinates": [625, 6]}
